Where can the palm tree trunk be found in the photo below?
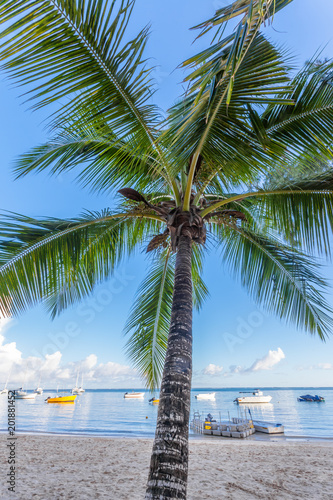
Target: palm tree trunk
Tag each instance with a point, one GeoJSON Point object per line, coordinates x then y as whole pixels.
{"type": "Point", "coordinates": [169, 460]}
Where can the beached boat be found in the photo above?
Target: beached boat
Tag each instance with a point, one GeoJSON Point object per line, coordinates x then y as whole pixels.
{"type": "Point", "coordinates": [207, 395]}
{"type": "Point", "coordinates": [134, 395]}
{"type": "Point", "coordinates": [268, 427]}
{"type": "Point", "coordinates": [311, 399]}
{"type": "Point", "coordinates": [255, 398]}
{"type": "Point", "coordinates": [61, 399]}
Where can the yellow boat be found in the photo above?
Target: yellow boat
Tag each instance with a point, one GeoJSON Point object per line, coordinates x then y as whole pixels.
{"type": "Point", "coordinates": [61, 399]}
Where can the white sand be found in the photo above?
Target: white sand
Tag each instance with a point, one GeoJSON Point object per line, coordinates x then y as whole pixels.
{"type": "Point", "coordinates": [53, 468]}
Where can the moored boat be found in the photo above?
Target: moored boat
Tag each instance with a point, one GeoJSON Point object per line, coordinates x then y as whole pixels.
{"type": "Point", "coordinates": [255, 398]}
{"type": "Point", "coordinates": [154, 401]}
{"type": "Point", "coordinates": [25, 395]}
{"type": "Point", "coordinates": [207, 395]}
{"type": "Point", "coordinates": [134, 395]}
{"type": "Point", "coordinates": [311, 399]}
{"type": "Point", "coordinates": [61, 399]}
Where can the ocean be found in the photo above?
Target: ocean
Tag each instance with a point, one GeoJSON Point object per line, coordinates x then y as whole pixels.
{"type": "Point", "coordinates": [107, 413]}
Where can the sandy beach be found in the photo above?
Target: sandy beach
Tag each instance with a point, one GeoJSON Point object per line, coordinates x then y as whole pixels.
{"type": "Point", "coordinates": [63, 467]}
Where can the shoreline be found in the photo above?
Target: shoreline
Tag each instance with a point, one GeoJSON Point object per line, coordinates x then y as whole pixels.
{"type": "Point", "coordinates": [70, 467]}
{"type": "Point", "coordinates": [257, 437]}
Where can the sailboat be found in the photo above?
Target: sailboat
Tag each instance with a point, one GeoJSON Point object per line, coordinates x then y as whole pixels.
{"type": "Point", "coordinates": [80, 389]}
{"type": "Point", "coordinates": [22, 394]}
{"type": "Point", "coordinates": [39, 390]}
{"type": "Point", "coordinates": [5, 390]}
{"type": "Point", "coordinates": [75, 390]}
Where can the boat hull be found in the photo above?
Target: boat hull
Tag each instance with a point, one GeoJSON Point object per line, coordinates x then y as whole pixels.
{"type": "Point", "coordinates": [62, 399]}
{"type": "Point", "coordinates": [26, 396]}
{"type": "Point", "coordinates": [134, 395]}
{"type": "Point", "coordinates": [254, 400]}
{"type": "Point", "coordinates": [268, 427]}
{"type": "Point", "coordinates": [205, 396]}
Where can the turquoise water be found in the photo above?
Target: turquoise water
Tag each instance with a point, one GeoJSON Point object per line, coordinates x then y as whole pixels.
{"type": "Point", "coordinates": [107, 413]}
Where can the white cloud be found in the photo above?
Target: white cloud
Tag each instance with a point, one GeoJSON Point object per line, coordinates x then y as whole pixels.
{"type": "Point", "coordinates": [50, 368]}
{"type": "Point", "coordinates": [212, 369]}
{"type": "Point", "coordinates": [325, 366]}
{"type": "Point", "coordinates": [267, 362]}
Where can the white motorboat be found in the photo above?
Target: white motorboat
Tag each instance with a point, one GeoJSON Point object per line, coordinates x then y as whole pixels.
{"type": "Point", "coordinates": [268, 427]}
{"type": "Point", "coordinates": [255, 398]}
{"type": "Point", "coordinates": [207, 395]}
{"type": "Point", "coordinates": [134, 395]}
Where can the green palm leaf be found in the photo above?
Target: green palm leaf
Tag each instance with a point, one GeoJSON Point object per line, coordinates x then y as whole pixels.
{"type": "Point", "coordinates": [279, 278]}
{"type": "Point", "coordinates": [60, 261]}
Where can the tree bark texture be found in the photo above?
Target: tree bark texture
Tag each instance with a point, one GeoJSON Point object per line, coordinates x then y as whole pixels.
{"type": "Point", "coordinates": [169, 461]}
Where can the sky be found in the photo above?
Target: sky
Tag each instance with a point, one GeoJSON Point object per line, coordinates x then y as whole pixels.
{"type": "Point", "coordinates": [236, 344]}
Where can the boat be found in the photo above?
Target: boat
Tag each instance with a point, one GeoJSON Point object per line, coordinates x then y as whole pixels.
{"type": "Point", "coordinates": [268, 427]}
{"type": "Point", "coordinates": [255, 398]}
{"type": "Point", "coordinates": [24, 395]}
{"type": "Point", "coordinates": [312, 399]}
{"type": "Point", "coordinates": [154, 401]}
{"type": "Point", "coordinates": [76, 389]}
{"type": "Point", "coordinates": [61, 399]}
{"type": "Point", "coordinates": [207, 395]}
{"type": "Point", "coordinates": [134, 395]}
{"type": "Point", "coordinates": [80, 389]}
{"type": "Point", "coordinates": [5, 390]}
{"type": "Point", "coordinates": [39, 390]}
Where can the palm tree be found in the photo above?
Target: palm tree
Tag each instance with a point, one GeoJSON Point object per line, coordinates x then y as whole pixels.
{"type": "Point", "coordinates": [199, 173]}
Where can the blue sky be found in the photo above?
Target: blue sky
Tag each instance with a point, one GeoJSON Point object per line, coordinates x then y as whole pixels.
{"type": "Point", "coordinates": [235, 343]}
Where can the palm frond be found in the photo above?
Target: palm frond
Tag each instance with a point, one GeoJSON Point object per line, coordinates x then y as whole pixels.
{"type": "Point", "coordinates": [306, 126]}
{"type": "Point", "coordinates": [104, 162]}
{"type": "Point", "coordinates": [282, 280]}
{"type": "Point", "coordinates": [301, 211]}
{"type": "Point", "coordinates": [149, 320]}
{"type": "Point", "coordinates": [63, 49]}
{"type": "Point", "coordinates": [58, 262]}
{"type": "Point", "coordinates": [223, 132]}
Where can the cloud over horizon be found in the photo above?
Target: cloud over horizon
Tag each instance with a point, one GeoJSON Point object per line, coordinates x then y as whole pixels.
{"type": "Point", "coordinates": [51, 370]}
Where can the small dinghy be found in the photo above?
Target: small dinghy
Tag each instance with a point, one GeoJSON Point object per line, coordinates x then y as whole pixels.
{"type": "Point", "coordinates": [207, 395]}
{"type": "Point", "coordinates": [311, 399]}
